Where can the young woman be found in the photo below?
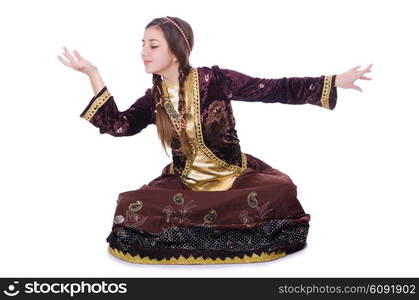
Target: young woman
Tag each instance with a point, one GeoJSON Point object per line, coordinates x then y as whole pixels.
{"type": "Point", "coordinates": [213, 203]}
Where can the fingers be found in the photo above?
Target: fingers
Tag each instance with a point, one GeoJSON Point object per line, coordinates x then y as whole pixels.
{"type": "Point", "coordinates": [368, 69]}
{"type": "Point", "coordinates": [355, 87]}
{"type": "Point", "coordinates": [68, 55]}
{"type": "Point", "coordinates": [77, 54]}
{"type": "Point", "coordinates": [358, 74]}
{"type": "Point", "coordinates": [63, 61]}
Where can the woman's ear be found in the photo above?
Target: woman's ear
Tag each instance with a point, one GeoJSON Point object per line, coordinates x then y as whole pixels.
{"type": "Point", "coordinates": [174, 58]}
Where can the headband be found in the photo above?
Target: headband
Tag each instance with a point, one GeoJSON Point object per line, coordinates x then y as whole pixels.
{"type": "Point", "coordinates": [181, 31]}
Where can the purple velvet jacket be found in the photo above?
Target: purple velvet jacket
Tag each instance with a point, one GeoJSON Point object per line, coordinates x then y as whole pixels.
{"type": "Point", "coordinates": [217, 87]}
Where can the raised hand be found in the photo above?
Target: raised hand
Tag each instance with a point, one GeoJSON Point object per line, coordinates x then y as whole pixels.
{"type": "Point", "coordinates": [346, 80]}
{"type": "Point", "coordinates": [79, 64]}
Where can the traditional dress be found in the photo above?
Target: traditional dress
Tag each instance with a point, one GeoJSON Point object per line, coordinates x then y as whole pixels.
{"type": "Point", "coordinates": [220, 205]}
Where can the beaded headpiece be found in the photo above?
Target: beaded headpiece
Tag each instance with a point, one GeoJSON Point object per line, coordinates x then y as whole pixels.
{"type": "Point", "coordinates": [181, 31]}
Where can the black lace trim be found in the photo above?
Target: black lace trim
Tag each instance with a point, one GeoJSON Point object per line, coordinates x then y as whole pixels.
{"type": "Point", "coordinates": [197, 241]}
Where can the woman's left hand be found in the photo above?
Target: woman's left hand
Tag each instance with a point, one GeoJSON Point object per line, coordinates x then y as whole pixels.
{"type": "Point", "coordinates": [346, 80]}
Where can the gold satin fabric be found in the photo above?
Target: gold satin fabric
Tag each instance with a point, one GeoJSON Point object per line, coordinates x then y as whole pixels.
{"type": "Point", "coordinates": [204, 173]}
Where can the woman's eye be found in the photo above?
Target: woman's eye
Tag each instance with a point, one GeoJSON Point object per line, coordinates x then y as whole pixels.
{"type": "Point", "coordinates": [154, 47]}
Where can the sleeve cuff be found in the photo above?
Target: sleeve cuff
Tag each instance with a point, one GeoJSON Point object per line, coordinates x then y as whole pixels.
{"type": "Point", "coordinates": [329, 92]}
{"type": "Point", "coordinates": [95, 103]}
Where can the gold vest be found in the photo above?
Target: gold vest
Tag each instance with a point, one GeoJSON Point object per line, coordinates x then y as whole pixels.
{"type": "Point", "coordinates": [202, 172]}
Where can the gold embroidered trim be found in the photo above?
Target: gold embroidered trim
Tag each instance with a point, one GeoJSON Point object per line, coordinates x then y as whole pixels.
{"type": "Point", "coordinates": [170, 109]}
{"type": "Point", "coordinates": [189, 160]}
{"type": "Point", "coordinates": [96, 105]}
{"type": "Point", "coordinates": [327, 85]}
{"type": "Point", "coordinates": [244, 161]}
{"type": "Point", "coordinates": [198, 129]}
{"type": "Point", "coordinates": [196, 261]}
{"type": "Point", "coordinates": [173, 114]}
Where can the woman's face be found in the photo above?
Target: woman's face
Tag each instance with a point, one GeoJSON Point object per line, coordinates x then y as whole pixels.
{"type": "Point", "coordinates": [155, 53]}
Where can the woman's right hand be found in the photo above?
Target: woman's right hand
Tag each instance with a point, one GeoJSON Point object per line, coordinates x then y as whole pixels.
{"type": "Point", "coordinates": [81, 64]}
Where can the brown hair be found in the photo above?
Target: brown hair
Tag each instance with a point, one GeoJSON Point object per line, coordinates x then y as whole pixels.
{"type": "Point", "coordinates": [177, 47]}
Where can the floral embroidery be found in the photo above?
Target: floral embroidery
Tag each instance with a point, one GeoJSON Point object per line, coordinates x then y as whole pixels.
{"type": "Point", "coordinates": [134, 219]}
{"type": "Point", "coordinates": [181, 215]}
{"type": "Point", "coordinates": [217, 125]}
{"type": "Point", "coordinates": [178, 199]}
{"type": "Point", "coordinates": [251, 200]}
{"type": "Point", "coordinates": [244, 218]}
{"type": "Point", "coordinates": [168, 212]}
{"type": "Point", "coordinates": [210, 217]}
{"type": "Point", "coordinates": [263, 211]}
{"type": "Point", "coordinates": [136, 206]}
{"type": "Point", "coordinates": [217, 111]}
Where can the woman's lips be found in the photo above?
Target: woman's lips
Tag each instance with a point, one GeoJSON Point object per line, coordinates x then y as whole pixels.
{"type": "Point", "coordinates": [147, 62]}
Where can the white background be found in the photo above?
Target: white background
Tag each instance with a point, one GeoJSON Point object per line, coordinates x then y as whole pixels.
{"type": "Point", "coordinates": [355, 167]}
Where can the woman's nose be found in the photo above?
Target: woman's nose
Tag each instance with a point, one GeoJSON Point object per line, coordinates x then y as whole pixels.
{"type": "Point", "coordinates": [144, 53]}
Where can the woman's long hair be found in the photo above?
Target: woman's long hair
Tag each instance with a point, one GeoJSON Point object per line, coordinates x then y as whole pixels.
{"type": "Point", "coordinates": [177, 47]}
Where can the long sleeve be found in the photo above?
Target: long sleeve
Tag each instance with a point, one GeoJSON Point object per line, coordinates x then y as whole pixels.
{"type": "Point", "coordinates": [293, 90]}
{"type": "Point", "coordinates": [103, 113]}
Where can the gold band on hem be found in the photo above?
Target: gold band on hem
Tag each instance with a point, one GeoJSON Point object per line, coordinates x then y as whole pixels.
{"type": "Point", "coordinates": [327, 86]}
{"type": "Point", "coordinates": [196, 261]}
{"type": "Point", "coordinates": [96, 105]}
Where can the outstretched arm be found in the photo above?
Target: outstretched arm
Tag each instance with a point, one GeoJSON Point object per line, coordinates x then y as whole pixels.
{"type": "Point", "coordinates": [319, 91]}
{"type": "Point", "coordinates": [103, 113]}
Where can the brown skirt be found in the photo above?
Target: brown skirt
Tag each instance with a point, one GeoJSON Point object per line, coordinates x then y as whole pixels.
{"type": "Point", "coordinates": [165, 222]}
